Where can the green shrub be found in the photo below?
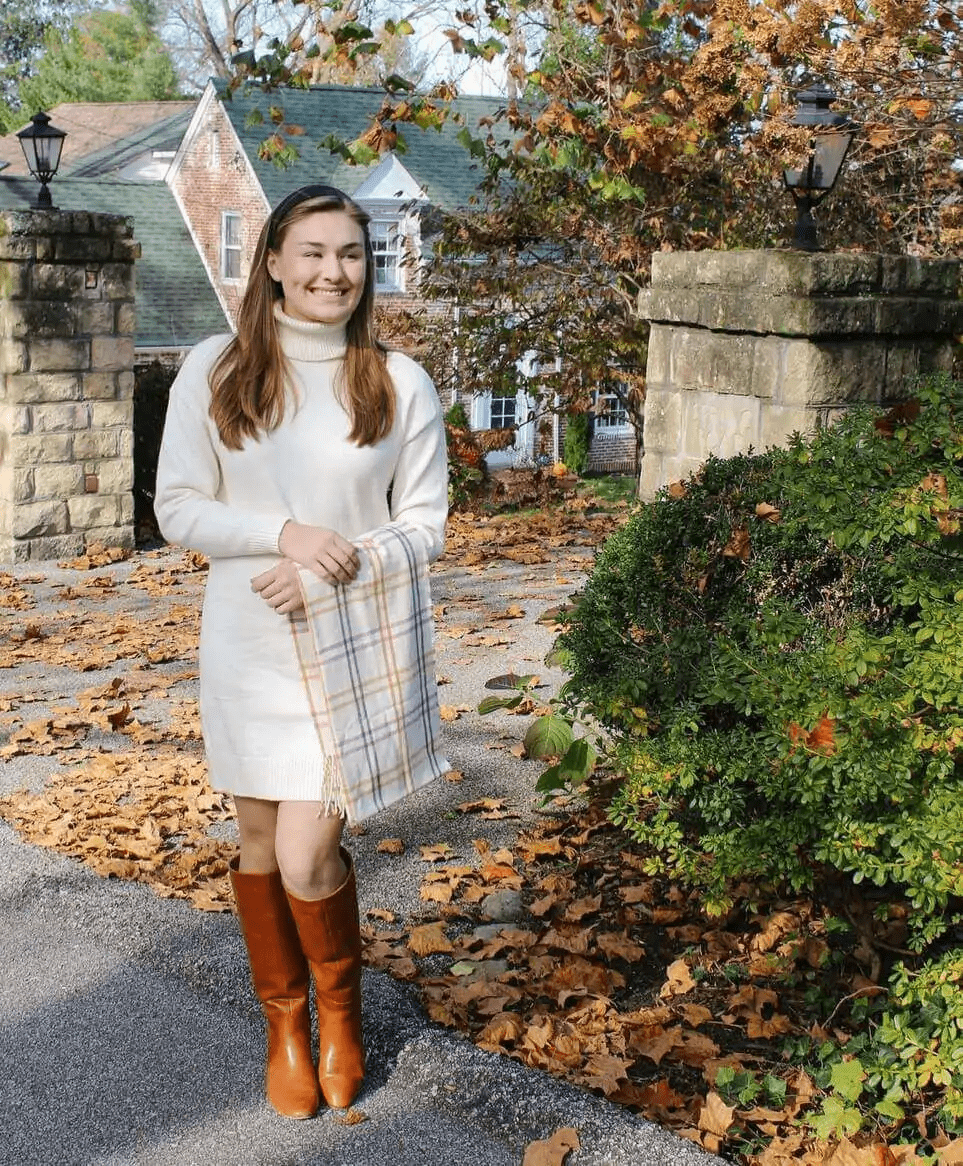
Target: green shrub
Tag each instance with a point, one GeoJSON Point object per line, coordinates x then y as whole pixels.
{"type": "Point", "coordinates": [575, 447]}
{"type": "Point", "coordinates": [777, 650]}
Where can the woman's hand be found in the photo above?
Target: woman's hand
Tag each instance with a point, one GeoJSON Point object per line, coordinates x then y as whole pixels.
{"type": "Point", "coordinates": [331, 557]}
{"type": "Point", "coordinates": [280, 589]}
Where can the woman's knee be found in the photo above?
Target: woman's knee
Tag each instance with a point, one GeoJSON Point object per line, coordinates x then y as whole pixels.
{"type": "Point", "coordinates": [307, 849]}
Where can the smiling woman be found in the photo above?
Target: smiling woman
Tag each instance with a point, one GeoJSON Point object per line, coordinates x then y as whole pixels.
{"type": "Point", "coordinates": [320, 266]}
{"type": "Point", "coordinates": [280, 449]}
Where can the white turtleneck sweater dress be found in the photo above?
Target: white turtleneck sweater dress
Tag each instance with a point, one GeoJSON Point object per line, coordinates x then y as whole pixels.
{"type": "Point", "coordinates": [259, 733]}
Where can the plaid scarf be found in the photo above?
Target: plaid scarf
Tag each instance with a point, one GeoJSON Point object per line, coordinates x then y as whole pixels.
{"type": "Point", "coordinates": [367, 658]}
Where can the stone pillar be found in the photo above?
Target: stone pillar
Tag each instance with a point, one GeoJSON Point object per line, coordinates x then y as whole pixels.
{"type": "Point", "coordinates": [747, 347]}
{"type": "Point", "coordinates": [66, 382]}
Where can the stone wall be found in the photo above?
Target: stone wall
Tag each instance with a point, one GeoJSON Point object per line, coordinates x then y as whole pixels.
{"type": "Point", "coordinates": [66, 382]}
{"type": "Point", "coordinates": [748, 347]}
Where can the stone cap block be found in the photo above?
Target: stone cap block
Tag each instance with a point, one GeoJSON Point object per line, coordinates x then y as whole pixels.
{"type": "Point", "coordinates": [35, 221]}
{"type": "Point", "coordinates": [83, 247]}
{"type": "Point", "coordinates": [929, 277]}
{"type": "Point", "coordinates": [119, 226]}
{"type": "Point", "coordinates": [800, 273]}
{"type": "Point", "coordinates": [765, 314]}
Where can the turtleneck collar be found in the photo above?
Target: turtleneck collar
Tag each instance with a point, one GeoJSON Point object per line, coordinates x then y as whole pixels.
{"type": "Point", "coordinates": [307, 340]}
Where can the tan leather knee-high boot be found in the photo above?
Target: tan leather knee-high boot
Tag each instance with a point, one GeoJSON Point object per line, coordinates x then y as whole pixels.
{"type": "Point", "coordinates": [331, 939]}
{"type": "Point", "coordinates": [281, 983]}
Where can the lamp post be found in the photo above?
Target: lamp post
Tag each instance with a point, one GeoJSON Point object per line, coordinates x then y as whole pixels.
{"type": "Point", "coordinates": [830, 138]}
{"type": "Point", "coordinates": [41, 144]}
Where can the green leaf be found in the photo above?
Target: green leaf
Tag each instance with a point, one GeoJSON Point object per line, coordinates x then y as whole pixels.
{"type": "Point", "coordinates": [463, 968]}
{"type": "Point", "coordinates": [573, 769]}
{"type": "Point", "coordinates": [491, 703]}
{"type": "Point", "coordinates": [511, 680]}
{"type": "Point", "coordinates": [395, 83]}
{"type": "Point", "coordinates": [350, 31]}
{"type": "Point", "coordinates": [836, 1119]}
{"type": "Point", "coordinates": [548, 736]}
{"type": "Point", "coordinates": [578, 762]}
{"type": "Point", "coordinates": [360, 153]}
{"type": "Point", "coordinates": [847, 1079]}
{"type": "Point", "coordinates": [558, 657]}
{"type": "Point", "coordinates": [474, 146]}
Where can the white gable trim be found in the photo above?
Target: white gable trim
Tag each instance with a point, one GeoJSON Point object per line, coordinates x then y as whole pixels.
{"type": "Point", "coordinates": [390, 183]}
{"type": "Point", "coordinates": [193, 129]}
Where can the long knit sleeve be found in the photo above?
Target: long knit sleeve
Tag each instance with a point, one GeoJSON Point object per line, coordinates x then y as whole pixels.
{"type": "Point", "coordinates": [189, 504]}
{"type": "Point", "coordinates": [419, 493]}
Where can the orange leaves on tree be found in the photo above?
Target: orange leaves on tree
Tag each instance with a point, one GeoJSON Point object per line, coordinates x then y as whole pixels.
{"type": "Point", "coordinates": [919, 107]}
{"type": "Point", "coordinates": [821, 739]}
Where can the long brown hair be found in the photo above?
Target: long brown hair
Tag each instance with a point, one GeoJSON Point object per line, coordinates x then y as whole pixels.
{"type": "Point", "coordinates": [247, 382]}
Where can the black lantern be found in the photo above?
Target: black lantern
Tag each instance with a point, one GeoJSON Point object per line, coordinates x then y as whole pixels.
{"type": "Point", "coordinates": [830, 138]}
{"type": "Point", "coordinates": [41, 144]}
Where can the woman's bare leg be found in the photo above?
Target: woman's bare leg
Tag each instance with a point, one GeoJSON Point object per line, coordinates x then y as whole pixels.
{"type": "Point", "coordinates": [306, 848]}
{"type": "Point", "coordinates": [257, 823]}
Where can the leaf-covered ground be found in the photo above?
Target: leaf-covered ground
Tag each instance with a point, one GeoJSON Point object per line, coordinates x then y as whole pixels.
{"type": "Point", "coordinates": [601, 975]}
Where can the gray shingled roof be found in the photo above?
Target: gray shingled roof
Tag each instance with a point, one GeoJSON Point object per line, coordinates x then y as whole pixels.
{"type": "Point", "coordinates": [93, 127]}
{"type": "Point", "coordinates": [160, 135]}
{"type": "Point", "coordinates": [435, 159]}
{"type": "Point", "coordinates": [176, 305]}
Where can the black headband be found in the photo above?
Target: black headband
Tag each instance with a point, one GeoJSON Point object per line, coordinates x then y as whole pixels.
{"type": "Point", "coordinates": [290, 201]}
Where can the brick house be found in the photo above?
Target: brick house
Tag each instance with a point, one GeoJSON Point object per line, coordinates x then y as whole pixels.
{"type": "Point", "coordinates": [225, 189]}
{"type": "Point", "coordinates": [123, 138]}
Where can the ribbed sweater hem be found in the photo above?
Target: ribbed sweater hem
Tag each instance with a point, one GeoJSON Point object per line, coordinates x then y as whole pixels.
{"type": "Point", "coordinates": [280, 779]}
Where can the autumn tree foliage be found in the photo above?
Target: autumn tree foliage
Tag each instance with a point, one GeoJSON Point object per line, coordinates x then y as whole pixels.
{"type": "Point", "coordinates": [98, 55]}
{"type": "Point", "coordinates": [649, 126]}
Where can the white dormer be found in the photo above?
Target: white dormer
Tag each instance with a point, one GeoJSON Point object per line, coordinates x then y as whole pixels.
{"type": "Point", "coordinates": [392, 198]}
{"type": "Point", "coordinates": [151, 166]}
{"type": "Point", "coordinates": [390, 183]}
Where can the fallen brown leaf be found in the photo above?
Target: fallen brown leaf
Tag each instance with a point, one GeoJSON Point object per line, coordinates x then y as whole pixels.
{"type": "Point", "coordinates": [554, 1150]}
{"type": "Point", "coordinates": [390, 846]}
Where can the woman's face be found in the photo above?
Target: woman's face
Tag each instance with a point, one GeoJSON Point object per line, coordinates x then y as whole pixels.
{"type": "Point", "coordinates": [320, 266]}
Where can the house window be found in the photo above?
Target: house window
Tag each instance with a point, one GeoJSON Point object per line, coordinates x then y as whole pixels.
{"type": "Point", "coordinates": [230, 245]}
{"type": "Point", "coordinates": [610, 411]}
{"type": "Point", "coordinates": [386, 245]}
{"type": "Point", "coordinates": [503, 411]}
